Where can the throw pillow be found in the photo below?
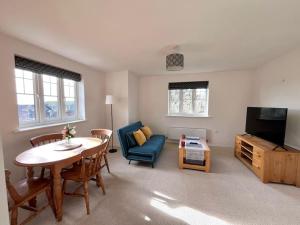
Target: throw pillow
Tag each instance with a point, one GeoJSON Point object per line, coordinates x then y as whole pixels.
{"type": "Point", "coordinates": [139, 137]}
{"type": "Point", "coordinates": [130, 140]}
{"type": "Point", "coordinates": [147, 131]}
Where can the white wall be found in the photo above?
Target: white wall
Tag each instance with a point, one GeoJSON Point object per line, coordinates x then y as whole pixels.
{"type": "Point", "coordinates": [14, 143]}
{"type": "Point", "coordinates": [3, 195]}
{"type": "Point", "coordinates": [277, 84]}
{"type": "Point", "coordinates": [117, 85]}
{"type": "Point", "coordinates": [123, 86]}
{"type": "Point", "coordinates": [133, 97]}
{"type": "Point", "coordinates": [229, 95]}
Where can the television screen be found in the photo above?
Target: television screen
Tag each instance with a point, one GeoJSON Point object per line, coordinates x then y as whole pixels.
{"type": "Point", "coordinates": [267, 123]}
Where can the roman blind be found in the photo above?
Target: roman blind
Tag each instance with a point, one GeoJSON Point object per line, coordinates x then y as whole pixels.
{"type": "Point", "coordinates": [188, 85]}
{"type": "Point", "coordinates": [42, 68]}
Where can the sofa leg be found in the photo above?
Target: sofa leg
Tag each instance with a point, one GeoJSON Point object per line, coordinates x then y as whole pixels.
{"type": "Point", "coordinates": [152, 165]}
{"type": "Point", "coordinates": [129, 161]}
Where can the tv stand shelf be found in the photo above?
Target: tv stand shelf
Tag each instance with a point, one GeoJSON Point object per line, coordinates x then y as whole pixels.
{"type": "Point", "coordinates": [269, 165]}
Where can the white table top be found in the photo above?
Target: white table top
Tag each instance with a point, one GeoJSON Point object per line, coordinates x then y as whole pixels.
{"type": "Point", "coordinates": [47, 154]}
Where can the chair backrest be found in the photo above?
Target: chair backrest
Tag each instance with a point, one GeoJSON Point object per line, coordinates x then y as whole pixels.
{"type": "Point", "coordinates": [103, 134]}
{"type": "Point", "coordinates": [46, 138]}
{"type": "Point", "coordinates": [91, 160]}
{"type": "Point", "coordinates": [14, 195]}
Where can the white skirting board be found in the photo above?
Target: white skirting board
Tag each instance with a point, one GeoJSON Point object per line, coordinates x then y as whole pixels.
{"type": "Point", "coordinates": [174, 133]}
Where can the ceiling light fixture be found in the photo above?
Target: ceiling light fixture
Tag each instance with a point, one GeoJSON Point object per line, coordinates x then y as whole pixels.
{"type": "Point", "coordinates": [175, 61]}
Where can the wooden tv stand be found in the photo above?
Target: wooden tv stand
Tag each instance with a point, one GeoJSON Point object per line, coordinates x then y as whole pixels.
{"type": "Point", "coordinates": [278, 166]}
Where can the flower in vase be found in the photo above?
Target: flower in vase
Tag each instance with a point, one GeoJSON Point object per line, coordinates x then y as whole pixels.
{"type": "Point", "coordinates": [69, 131]}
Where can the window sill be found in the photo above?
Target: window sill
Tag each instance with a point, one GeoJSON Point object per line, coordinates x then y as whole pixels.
{"type": "Point", "coordinates": [24, 129]}
{"type": "Point", "coordinates": [188, 116]}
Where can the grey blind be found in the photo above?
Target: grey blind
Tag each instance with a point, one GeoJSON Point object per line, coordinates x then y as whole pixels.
{"type": "Point", "coordinates": [42, 68]}
{"type": "Point", "coordinates": [188, 85]}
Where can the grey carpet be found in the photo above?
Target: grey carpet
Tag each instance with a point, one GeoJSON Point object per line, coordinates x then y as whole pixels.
{"type": "Point", "coordinates": [138, 194]}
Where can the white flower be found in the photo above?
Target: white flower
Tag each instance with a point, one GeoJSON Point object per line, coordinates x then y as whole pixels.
{"type": "Point", "coordinates": [73, 132]}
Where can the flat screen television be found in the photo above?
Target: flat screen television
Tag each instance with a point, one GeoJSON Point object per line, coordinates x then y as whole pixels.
{"type": "Point", "coordinates": [267, 123]}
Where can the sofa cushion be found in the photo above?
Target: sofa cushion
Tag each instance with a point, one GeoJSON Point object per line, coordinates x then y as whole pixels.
{"type": "Point", "coordinates": [139, 137]}
{"type": "Point", "coordinates": [130, 140]}
{"type": "Point", "coordinates": [147, 131]}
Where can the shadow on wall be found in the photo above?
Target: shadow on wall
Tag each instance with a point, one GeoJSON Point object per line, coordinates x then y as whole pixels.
{"type": "Point", "coordinates": [293, 129]}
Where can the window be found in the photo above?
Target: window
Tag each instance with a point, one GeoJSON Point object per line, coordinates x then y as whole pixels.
{"type": "Point", "coordinates": [188, 98]}
{"type": "Point", "coordinates": [45, 96]}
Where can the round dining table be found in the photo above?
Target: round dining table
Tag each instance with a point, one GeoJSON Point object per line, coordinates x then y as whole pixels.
{"type": "Point", "coordinates": [56, 156]}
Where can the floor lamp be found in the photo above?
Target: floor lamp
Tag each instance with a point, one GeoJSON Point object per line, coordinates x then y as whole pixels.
{"type": "Point", "coordinates": [109, 101]}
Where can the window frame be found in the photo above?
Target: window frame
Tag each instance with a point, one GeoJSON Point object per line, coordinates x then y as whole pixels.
{"type": "Point", "coordinates": [38, 92]}
{"type": "Point", "coordinates": [193, 114]}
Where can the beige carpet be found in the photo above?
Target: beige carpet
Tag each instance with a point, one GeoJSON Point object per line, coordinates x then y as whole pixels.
{"type": "Point", "coordinates": [138, 194]}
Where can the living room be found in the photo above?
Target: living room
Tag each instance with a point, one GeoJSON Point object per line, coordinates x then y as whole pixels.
{"type": "Point", "coordinates": [239, 55]}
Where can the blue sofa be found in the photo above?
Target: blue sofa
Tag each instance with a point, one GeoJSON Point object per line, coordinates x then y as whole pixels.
{"type": "Point", "coordinates": [148, 152]}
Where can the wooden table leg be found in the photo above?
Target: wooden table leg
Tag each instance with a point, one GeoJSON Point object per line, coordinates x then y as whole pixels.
{"type": "Point", "coordinates": [207, 161]}
{"type": "Point", "coordinates": [57, 191]}
{"type": "Point", "coordinates": [30, 174]}
{"type": "Point", "coordinates": [180, 158]}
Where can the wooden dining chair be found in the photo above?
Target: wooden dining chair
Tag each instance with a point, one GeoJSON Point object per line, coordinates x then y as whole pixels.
{"type": "Point", "coordinates": [103, 134]}
{"type": "Point", "coordinates": [45, 139]}
{"type": "Point", "coordinates": [89, 167]}
{"type": "Point", "coordinates": [24, 191]}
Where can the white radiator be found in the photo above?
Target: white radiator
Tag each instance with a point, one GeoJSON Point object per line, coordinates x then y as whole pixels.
{"type": "Point", "coordinates": [174, 133]}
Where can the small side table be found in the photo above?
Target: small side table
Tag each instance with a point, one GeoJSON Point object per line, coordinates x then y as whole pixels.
{"type": "Point", "coordinates": [181, 157]}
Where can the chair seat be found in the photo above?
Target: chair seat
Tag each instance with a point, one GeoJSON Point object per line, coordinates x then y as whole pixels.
{"type": "Point", "coordinates": [74, 173]}
{"type": "Point", "coordinates": [27, 188]}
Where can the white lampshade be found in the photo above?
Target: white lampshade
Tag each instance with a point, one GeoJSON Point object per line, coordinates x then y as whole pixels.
{"type": "Point", "coordinates": [109, 100]}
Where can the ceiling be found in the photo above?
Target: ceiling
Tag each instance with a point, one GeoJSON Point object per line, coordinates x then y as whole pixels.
{"type": "Point", "coordinates": [136, 35]}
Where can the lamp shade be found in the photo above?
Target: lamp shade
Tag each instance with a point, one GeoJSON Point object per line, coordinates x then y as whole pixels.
{"type": "Point", "coordinates": [109, 100]}
{"type": "Point", "coordinates": [174, 62]}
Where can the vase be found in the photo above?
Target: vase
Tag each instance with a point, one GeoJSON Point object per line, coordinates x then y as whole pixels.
{"type": "Point", "coordinates": [68, 140]}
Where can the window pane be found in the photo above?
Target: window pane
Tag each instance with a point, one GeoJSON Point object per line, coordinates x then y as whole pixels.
{"type": "Point", "coordinates": [174, 96]}
{"type": "Point", "coordinates": [28, 86]}
{"type": "Point", "coordinates": [51, 101]}
{"type": "Point", "coordinates": [46, 78]}
{"type": "Point", "coordinates": [25, 96]}
{"type": "Point", "coordinates": [70, 107]}
{"type": "Point", "coordinates": [53, 80]}
{"type": "Point", "coordinates": [19, 73]}
{"type": "Point", "coordinates": [51, 107]}
{"type": "Point", "coordinates": [69, 82]}
{"type": "Point", "coordinates": [200, 101]}
{"type": "Point", "coordinates": [53, 89]}
{"type": "Point", "coordinates": [72, 92]}
{"type": "Point", "coordinates": [19, 85]}
{"type": "Point", "coordinates": [26, 107]}
{"type": "Point", "coordinates": [47, 89]}
{"type": "Point", "coordinates": [187, 104]}
{"type": "Point", "coordinates": [27, 74]}
{"type": "Point", "coordinates": [67, 91]}
{"type": "Point", "coordinates": [69, 98]}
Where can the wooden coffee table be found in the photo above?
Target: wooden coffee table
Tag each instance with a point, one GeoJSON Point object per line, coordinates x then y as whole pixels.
{"type": "Point", "coordinates": [181, 156]}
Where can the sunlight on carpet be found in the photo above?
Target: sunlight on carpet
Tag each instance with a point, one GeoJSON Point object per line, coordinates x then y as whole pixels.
{"type": "Point", "coordinates": [187, 214]}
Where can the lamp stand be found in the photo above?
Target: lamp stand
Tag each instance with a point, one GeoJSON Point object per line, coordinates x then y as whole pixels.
{"type": "Point", "coordinates": [112, 150]}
